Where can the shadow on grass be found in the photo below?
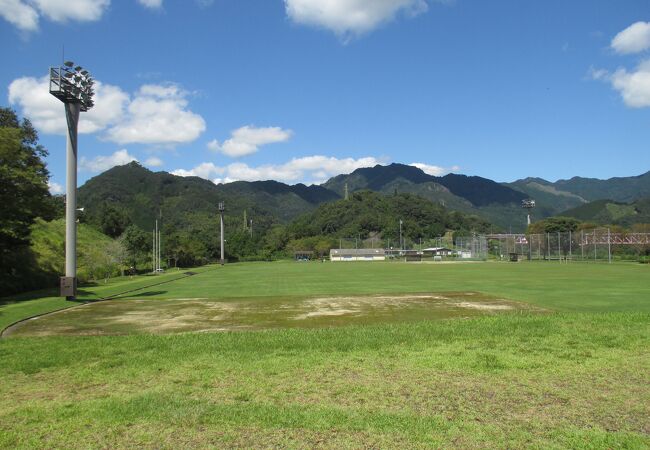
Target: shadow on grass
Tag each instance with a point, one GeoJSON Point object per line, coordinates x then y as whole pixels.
{"type": "Point", "coordinates": [148, 294]}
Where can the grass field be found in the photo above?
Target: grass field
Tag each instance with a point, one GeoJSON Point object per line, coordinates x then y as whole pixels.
{"type": "Point", "coordinates": [574, 376]}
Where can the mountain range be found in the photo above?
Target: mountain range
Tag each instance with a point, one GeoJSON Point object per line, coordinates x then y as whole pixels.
{"type": "Point", "coordinates": [144, 194]}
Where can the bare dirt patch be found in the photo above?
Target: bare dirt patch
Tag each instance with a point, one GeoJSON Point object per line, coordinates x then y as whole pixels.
{"type": "Point", "coordinates": [202, 315]}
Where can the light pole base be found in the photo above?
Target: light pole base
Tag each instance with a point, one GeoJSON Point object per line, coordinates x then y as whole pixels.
{"type": "Point", "coordinates": [68, 287]}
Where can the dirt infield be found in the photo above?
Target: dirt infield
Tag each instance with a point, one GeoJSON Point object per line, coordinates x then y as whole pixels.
{"type": "Point", "coordinates": [205, 315]}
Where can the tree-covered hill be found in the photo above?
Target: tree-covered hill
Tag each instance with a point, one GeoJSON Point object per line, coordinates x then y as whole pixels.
{"type": "Point", "coordinates": [368, 213]}
{"type": "Point", "coordinates": [133, 194]}
{"type": "Point", "coordinates": [576, 191]}
{"type": "Point", "coordinates": [475, 190]}
{"type": "Point", "coordinates": [609, 212]}
{"type": "Point", "coordinates": [473, 195]}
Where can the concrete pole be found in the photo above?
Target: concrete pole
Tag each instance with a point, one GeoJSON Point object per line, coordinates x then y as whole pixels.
{"type": "Point", "coordinates": [153, 251]}
{"type": "Point", "coordinates": [609, 246]}
{"type": "Point", "coordinates": [222, 255]}
{"type": "Point", "coordinates": [156, 248]}
{"type": "Point", "coordinates": [72, 117]}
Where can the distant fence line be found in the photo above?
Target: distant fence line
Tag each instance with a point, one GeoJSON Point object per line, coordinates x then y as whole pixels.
{"type": "Point", "coordinates": [586, 245]}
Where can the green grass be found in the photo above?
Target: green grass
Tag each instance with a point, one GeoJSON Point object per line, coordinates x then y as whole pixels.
{"type": "Point", "coordinates": [576, 378]}
{"type": "Point", "coordinates": [566, 287]}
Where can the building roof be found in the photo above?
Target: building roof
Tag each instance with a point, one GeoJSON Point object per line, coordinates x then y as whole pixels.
{"type": "Point", "coordinates": [357, 252]}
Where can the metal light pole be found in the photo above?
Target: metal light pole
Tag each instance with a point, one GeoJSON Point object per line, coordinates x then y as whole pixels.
{"type": "Point", "coordinates": [401, 243]}
{"type": "Point", "coordinates": [222, 208]}
{"type": "Point", "coordinates": [528, 205]}
{"type": "Point", "coordinates": [74, 87]}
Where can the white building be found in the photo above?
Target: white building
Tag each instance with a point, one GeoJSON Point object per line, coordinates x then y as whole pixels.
{"type": "Point", "coordinates": [357, 254]}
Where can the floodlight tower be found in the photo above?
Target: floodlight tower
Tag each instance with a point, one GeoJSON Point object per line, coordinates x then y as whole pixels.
{"type": "Point", "coordinates": [74, 87]}
{"type": "Point", "coordinates": [528, 205]}
{"type": "Point", "coordinates": [222, 208]}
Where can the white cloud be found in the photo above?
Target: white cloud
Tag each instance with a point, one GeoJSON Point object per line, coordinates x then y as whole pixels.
{"type": "Point", "coordinates": [158, 114]}
{"type": "Point", "coordinates": [351, 17]}
{"type": "Point", "coordinates": [55, 188]}
{"type": "Point", "coordinates": [205, 170]}
{"type": "Point", "coordinates": [154, 162]}
{"type": "Point", "coordinates": [435, 170]}
{"type": "Point", "coordinates": [19, 14]}
{"type": "Point", "coordinates": [102, 163]}
{"type": "Point", "coordinates": [633, 86]}
{"type": "Point", "coordinates": [153, 4]}
{"type": "Point", "coordinates": [64, 10]}
{"type": "Point", "coordinates": [25, 14]}
{"type": "Point", "coordinates": [634, 39]}
{"type": "Point", "coordinates": [46, 112]}
{"type": "Point", "coordinates": [308, 169]}
{"type": "Point", "coordinates": [248, 139]}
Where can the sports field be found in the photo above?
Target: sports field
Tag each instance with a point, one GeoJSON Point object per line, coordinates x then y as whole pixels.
{"type": "Point", "coordinates": [351, 355]}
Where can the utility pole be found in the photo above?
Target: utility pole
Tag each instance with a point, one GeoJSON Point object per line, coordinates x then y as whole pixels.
{"type": "Point", "coordinates": [609, 246]}
{"type": "Point", "coordinates": [157, 245]}
{"type": "Point", "coordinates": [347, 193]}
{"type": "Point", "coordinates": [153, 250]}
{"type": "Point", "coordinates": [222, 208]}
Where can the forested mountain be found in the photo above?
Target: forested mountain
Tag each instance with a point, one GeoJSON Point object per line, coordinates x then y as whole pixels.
{"type": "Point", "coordinates": [498, 203]}
{"type": "Point", "coordinates": [579, 190]}
{"type": "Point", "coordinates": [139, 195]}
{"type": "Point", "coordinates": [609, 212]}
{"type": "Point", "coordinates": [369, 214]}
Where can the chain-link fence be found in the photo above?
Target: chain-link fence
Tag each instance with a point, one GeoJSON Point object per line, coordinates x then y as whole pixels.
{"type": "Point", "coordinates": [600, 245]}
{"type": "Point", "coordinates": [587, 245]}
{"type": "Point", "coordinates": [446, 248]}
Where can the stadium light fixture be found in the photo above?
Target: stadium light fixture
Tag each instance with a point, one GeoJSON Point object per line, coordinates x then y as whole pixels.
{"type": "Point", "coordinates": [528, 204]}
{"type": "Point", "coordinates": [72, 88]}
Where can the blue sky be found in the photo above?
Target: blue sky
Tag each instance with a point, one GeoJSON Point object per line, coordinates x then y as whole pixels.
{"type": "Point", "coordinates": [300, 90]}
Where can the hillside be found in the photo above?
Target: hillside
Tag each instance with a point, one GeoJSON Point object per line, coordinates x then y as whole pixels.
{"type": "Point", "coordinates": [578, 190]}
{"type": "Point", "coordinates": [550, 200]}
{"type": "Point", "coordinates": [368, 213]}
{"type": "Point", "coordinates": [608, 212]}
{"type": "Point", "coordinates": [143, 195]}
{"type": "Point", "coordinates": [473, 195]}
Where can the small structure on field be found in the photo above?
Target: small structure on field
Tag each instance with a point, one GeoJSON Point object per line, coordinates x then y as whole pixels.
{"type": "Point", "coordinates": [357, 254]}
{"type": "Point", "coordinates": [438, 251]}
{"type": "Point", "coordinates": [303, 255]}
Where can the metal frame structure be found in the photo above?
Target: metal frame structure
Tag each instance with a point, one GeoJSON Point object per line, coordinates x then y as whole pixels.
{"type": "Point", "coordinates": [73, 85]}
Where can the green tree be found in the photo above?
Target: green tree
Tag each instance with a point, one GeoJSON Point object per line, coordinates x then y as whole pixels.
{"type": "Point", "coordinates": [554, 225]}
{"type": "Point", "coordinates": [113, 220]}
{"type": "Point", "coordinates": [138, 244]}
{"type": "Point", "coordinates": [24, 196]}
